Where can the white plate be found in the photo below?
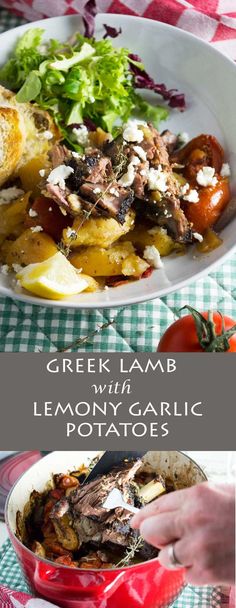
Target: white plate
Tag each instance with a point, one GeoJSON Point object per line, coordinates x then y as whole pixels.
{"type": "Point", "coordinates": [208, 79]}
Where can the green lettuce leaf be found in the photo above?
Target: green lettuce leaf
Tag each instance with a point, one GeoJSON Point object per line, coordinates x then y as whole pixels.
{"type": "Point", "coordinates": [86, 78]}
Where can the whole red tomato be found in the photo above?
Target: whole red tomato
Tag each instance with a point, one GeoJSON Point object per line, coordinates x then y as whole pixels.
{"type": "Point", "coordinates": [196, 332]}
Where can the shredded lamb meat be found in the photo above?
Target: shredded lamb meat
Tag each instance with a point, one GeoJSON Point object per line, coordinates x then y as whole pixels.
{"type": "Point", "coordinates": [95, 181]}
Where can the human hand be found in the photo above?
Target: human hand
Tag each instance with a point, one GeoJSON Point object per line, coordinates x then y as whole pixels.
{"type": "Point", "coordinates": [200, 521]}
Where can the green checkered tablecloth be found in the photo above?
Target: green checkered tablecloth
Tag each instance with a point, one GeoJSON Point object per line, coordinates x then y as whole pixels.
{"type": "Point", "coordinates": [191, 597]}
{"type": "Point", "coordinates": [135, 328]}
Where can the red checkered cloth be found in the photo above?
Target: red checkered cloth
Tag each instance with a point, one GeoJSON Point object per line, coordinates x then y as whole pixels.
{"type": "Point", "coordinates": [17, 599]}
{"type": "Point", "coordinates": [212, 20]}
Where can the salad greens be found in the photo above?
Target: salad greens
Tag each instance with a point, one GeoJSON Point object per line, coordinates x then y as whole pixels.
{"type": "Point", "coordinates": [81, 79]}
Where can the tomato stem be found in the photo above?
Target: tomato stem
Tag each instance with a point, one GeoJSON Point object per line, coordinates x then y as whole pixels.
{"type": "Point", "coordinates": [209, 340]}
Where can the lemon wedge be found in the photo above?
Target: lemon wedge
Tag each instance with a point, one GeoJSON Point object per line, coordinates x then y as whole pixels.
{"type": "Point", "coordinates": [54, 278]}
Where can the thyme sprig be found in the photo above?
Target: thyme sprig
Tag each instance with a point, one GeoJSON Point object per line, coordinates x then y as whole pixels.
{"type": "Point", "coordinates": [119, 168]}
{"type": "Point", "coordinates": [132, 549]}
{"type": "Point", "coordinates": [87, 214]}
{"type": "Point", "coordinates": [65, 248]}
{"type": "Point", "coordinates": [80, 341]}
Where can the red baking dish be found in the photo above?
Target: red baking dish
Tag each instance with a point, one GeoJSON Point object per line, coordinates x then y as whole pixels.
{"type": "Point", "coordinates": [148, 584]}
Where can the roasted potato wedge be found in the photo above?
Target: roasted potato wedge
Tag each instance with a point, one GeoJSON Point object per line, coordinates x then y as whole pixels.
{"type": "Point", "coordinates": [29, 173]}
{"type": "Point", "coordinates": [12, 217]}
{"type": "Point", "coordinates": [134, 266]}
{"type": "Point", "coordinates": [142, 236]}
{"type": "Point", "coordinates": [99, 231]}
{"type": "Point", "coordinates": [30, 247]}
{"type": "Point", "coordinates": [65, 534]}
{"type": "Point", "coordinates": [93, 285]}
{"type": "Point", "coordinates": [100, 262]}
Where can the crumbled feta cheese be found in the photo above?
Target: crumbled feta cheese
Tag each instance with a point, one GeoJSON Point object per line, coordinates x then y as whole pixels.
{"type": "Point", "coordinates": [81, 135]}
{"type": "Point", "coordinates": [71, 234]}
{"type": "Point", "coordinates": [198, 236]}
{"type": "Point", "coordinates": [50, 209]}
{"type": "Point", "coordinates": [114, 192]}
{"type": "Point", "coordinates": [5, 269]}
{"type": "Point", "coordinates": [36, 229]}
{"type": "Point", "coordinates": [183, 138]}
{"type": "Point", "coordinates": [10, 194]}
{"type": "Point", "coordinates": [127, 179]}
{"type": "Point", "coordinates": [135, 161]}
{"type": "Point", "coordinates": [140, 152]}
{"type": "Point", "coordinates": [75, 154]}
{"type": "Point", "coordinates": [192, 196]}
{"type": "Point", "coordinates": [106, 288]}
{"type": "Point", "coordinates": [152, 256]}
{"type": "Point", "coordinates": [17, 267]}
{"type": "Point", "coordinates": [132, 132]}
{"type": "Point", "coordinates": [206, 177]}
{"type": "Point", "coordinates": [225, 170]}
{"type": "Point", "coordinates": [92, 98]}
{"type": "Point", "coordinates": [59, 175]}
{"type": "Point", "coordinates": [184, 189]}
{"type": "Point", "coordinates": [145, 171]}
{"type": "Point", "coordinates": [32, 213]}
{"type": "Point", "coordinates": [42, 172]}
{"type": "Point", "coordinates": [157, 179]}
{"type": "Point", "coordinates": [47, 134]}
{"type": "Point", "coordinates": [97, 190]}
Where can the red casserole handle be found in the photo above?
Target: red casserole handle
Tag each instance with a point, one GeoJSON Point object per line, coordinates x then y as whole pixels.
{"type": "Point", "coordinates": [71, 584]}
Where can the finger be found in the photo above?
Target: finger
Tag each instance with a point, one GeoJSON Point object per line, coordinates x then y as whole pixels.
{"type": "Point", "coordinates": [161, 529]}
{"type": "Point", "coordinates": [169, 502]}
{"type": "Point", "coordinates": [181, 552]}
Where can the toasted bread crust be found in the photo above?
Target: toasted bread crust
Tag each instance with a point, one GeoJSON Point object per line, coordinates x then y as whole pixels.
{"type": "Point", "coordinates": [11, 142]}
{"type": "Point", "coordinates": [22, 128]}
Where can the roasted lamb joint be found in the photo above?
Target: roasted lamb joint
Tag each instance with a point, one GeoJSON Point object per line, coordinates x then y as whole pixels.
{"type": "Point", "coordinates": [90, 520]}
{"type": "Point", "coordinates": [81, 514]}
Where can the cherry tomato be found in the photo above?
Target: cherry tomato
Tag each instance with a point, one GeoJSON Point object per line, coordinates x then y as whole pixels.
{"type": "Point", "coordinates": [48, 507]}
{"type": "Point", "coordinates": [52, 545]}
{"type": "Point", "coordinates": [181, 336]}
{"type": "Point", "coordinates": [201, 151]}
{"type": "Point", "coordinates": [212, 201]}
{"type": "Point", "coordinates": [53, 222]}
{"type": "Point", "coordinates": [68, 481]}
{"type": "Point", "coordinates": [66, 560]}
{"type": "Point", "coordinates": [57, 494]}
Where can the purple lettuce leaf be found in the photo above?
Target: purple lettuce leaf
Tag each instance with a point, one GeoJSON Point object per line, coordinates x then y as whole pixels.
{"type": "Point", "coordinates": [142, 80]}
{"type": "Point", "coordinates": [87, 122]}
{"type": "Point", "coordinates": [111, 32]}
{"type": "Point", "coordinates": [89, 14]}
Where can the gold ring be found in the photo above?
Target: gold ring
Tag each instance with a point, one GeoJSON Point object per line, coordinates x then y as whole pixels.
{"type": "Point", "coordinates": [175, 563]}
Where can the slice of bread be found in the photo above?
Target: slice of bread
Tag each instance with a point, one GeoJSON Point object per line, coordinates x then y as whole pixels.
{"type": "Point", "coordinates": [11, 142]}
{"type": "Point", "coordinates": [26, 132]}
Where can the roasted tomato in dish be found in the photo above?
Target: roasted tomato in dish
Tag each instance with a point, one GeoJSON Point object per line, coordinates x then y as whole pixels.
{"type": "Point", "coordinates": [212, 201]}
{"type": "Point", "coordinates": [196, 332]}
{"type": "Point", "coordinates": [202, 151]}
{"type": "Point", "coordinates": [47, 214]}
